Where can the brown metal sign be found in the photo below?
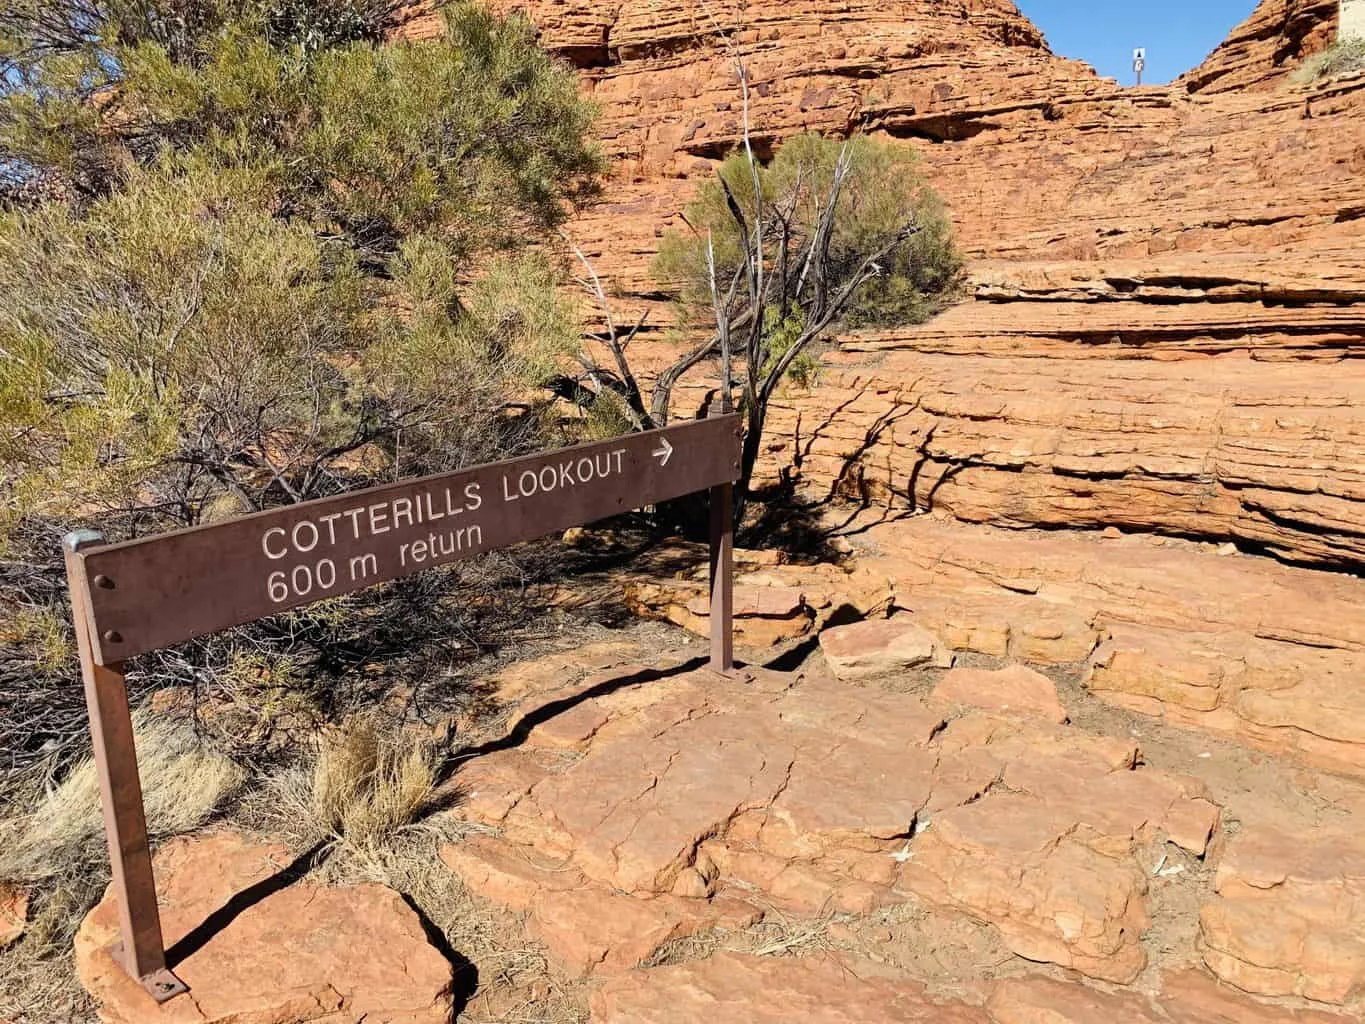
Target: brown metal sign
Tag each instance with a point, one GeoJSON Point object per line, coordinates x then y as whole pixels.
{"type": "Point", "coordinates": [152, 593]}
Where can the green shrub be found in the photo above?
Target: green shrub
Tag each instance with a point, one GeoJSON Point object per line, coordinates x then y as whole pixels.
{"type": "Point", "coordinates": [885, 188]}
{"type": "Point", "coordinates": [290, 260]}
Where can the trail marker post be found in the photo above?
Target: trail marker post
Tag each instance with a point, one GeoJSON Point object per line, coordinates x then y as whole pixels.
{"type": "Point", "coordinates": [142, 595]}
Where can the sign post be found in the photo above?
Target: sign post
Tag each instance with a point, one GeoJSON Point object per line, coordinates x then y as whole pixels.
{"type": "Point", "coordinates": [142, 952]}
{"type": "Point", "coordinates": [143, 595]}
{"type": "Point", "coordinates": [722, 500]}
{"type": "Point", "coordinates": [1140, 62]}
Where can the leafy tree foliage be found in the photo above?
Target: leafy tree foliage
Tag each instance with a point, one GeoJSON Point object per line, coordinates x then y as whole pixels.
{"type": "Point", "coordinates": [251, 253]}
{"type": "Point", "coordinates": [277, 259]}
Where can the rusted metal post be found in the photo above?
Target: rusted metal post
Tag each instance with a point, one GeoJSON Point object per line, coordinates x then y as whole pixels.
{"type": "Point", "coordinates": [722, 499]}
{"type": "Point", "coordinates": [141, 952]}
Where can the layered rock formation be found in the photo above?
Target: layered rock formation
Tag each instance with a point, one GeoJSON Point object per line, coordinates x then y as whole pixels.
{"type": "Point", "coordinates": [1275, 39]}
{"type": "Point", "coordinates": [672, 837]}
{"type": "Point", "coordinates": [1145, 261]}
{"type": "Point", "coordinates": [254, 949]}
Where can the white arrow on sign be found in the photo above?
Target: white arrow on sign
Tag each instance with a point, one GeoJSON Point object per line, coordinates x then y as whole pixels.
{"type": "Point", "coordinates": [664, 452]}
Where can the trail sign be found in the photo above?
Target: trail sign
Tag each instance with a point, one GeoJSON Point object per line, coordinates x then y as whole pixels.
{"type": "Point", "coordinates": [162, 590]}
{"type": "Point", "coordinates": [142, 595]}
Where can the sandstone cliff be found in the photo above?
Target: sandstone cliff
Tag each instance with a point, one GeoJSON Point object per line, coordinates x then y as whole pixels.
{"type": "Point", "coordinates": [1167, 286]}
{"type": "Point", "coordinates": [1273, 41]}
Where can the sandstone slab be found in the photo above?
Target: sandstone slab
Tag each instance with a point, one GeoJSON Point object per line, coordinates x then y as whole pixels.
{"type": "Point", "coordinates": [879, 647]}
{"type": "Point", "coordinates": [1192, 997]}
{"type": "Point", "coordinates": [1185, 997]}
{"type": "Point", "coordinates": [303, 953]}
{"type": "Point", "coordinates": [733, 989]}
{"type": "Point", "coordinates": [1035, 1000]}
{"type": "Point", "coordinates": [1289, 917]}
{"type": "Point", "coordinates": [815, 797]}
{"type": "Point", "coordinates": [1016, 689]}
{"type": "Point", "coordinates": [762, 615]}
{"type": "Point", "coordinates": [1005, 860]}
{"type": "Point", "coordinates": [591, 930]}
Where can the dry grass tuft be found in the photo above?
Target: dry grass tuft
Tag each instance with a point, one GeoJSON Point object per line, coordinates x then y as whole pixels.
{"type": "Point", "coordinates": [56, 848]}
{"type": "Point", "coordinates": [368, 785]}
{"type": "Point", "coordinates": [183, 785]}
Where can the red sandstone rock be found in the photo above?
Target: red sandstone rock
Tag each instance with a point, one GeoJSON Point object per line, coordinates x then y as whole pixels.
{"type": "Point", "coordinates": [13, 914]}
{"type": "Point", "coordinates": [1132, 248]}
{"type": "Point", "coordinates": [1186, 997]}
{"type": "Point", "coordinates": [593, 930]}
{"type": "Point", "coordinates": [1015, 689]}
{"type": "Point", "coordinates": [731, 989]}
{"type": "Point", "coordinates": [880, 647]}
{"type": "Point", "coordinates": [1033, 1000]}
{"type": "Point", "coordinates": [504, 874]}
{"type": "Point", "coordinates": [1264, 48]}
{"type": "Point", "coordinates": [763, 615]}
{"type": "Point", "coordinates": [1289, 918]}
{"type": "Point", "coordinates": [1192, 997]}
{"type": "Point", "coordinates": [1054, 899]}
{"type": "Point", "coordinates": [1265, 653]}
{"type": "Point", "coordinates": [816, 796]}
{"type": "Point", "coordinates": [305, 953]}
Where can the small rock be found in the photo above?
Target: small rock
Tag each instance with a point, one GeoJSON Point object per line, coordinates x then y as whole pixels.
{"type": "Point", "coordinates": [1112, 533]}
{"type": "Point", "coordinates": [342, 955]}
{"type": "Point", "coordinates": [13, 914]}
{"type": "Point", "coordinates": [691, 885]}
{"type": "Point", "coordinates": [1016, 689]}
{"type": "Point", "coordinates": [867, 649]}
{"type": "Point", "coordinates": [1227, 549]}
{"type": "Point", "coordinates": [574, 536]}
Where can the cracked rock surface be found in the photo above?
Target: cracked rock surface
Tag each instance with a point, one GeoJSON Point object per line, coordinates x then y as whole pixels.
{"type": "Point", "coordinates": [306, 953]}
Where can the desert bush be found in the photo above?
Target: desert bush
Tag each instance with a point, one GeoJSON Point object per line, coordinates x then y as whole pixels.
{"type": "Point", "coordinates": [883, 190]}
{"type": "Point", "coordinates": [773, 257]}
{"type": "Point", "coordinates": [1344, 57]}
{"type": "Point", "coordinates": [312, 252]}
{"type": "Point", "coordinates": [271, 260]}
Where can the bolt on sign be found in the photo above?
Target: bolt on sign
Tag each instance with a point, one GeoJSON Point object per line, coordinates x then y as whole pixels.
{"type": "Point", "coordinates": [143, 595]}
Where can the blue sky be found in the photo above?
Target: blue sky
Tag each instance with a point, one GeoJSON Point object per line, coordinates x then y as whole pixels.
{"type": "Point", "coordinates": [1178, 34]}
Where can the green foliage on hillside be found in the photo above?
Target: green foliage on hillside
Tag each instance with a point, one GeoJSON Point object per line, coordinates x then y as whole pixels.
{"type": "Point", "coordinates": [272, 258]}
{"type": "Point", "coordinates": [885, 189]}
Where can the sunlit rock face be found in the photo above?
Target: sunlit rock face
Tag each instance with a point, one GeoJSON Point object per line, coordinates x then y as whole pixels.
{"type": "Point", "coordinates": [1165, 284]}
